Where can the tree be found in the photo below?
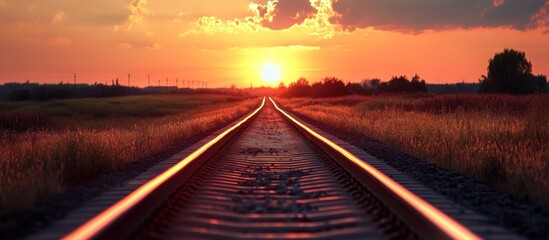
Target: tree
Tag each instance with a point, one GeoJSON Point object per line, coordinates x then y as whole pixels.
{"type": "Point", "coordinates": [418, 85]}
{"type": "Point", "coordinates": [300, 88]}
{"type": "Point", "coordinates": [396, 85]}
{"type": "Point", "coordinates": [509, 72]}
{"type": "Point", "coordinates": [329, 87]}
{"type": "Point", "coordinates": [540, 84]}
{"type": "Point", "coordinates": [371, 83]}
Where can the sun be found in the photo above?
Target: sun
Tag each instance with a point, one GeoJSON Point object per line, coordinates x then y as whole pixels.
{"type": "Point", "coordinates": [270, 73]}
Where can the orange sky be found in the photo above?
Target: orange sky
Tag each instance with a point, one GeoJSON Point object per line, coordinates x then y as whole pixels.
{"type": "Point", "coordinates": [227, 42]}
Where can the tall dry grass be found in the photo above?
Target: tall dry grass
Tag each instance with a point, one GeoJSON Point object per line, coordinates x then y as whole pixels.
{"type": "Point", "coordinates": [501, 140]}
{"type": "Point", "coordinates": [36, 164]}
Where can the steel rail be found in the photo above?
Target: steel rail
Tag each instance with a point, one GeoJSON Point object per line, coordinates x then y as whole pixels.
{"type": "Point", "coordinates": [100, 225]}
{"type": "Point", "coordinates": [119, 220]}
{"type": "Point", "coordinates": [423, 218]}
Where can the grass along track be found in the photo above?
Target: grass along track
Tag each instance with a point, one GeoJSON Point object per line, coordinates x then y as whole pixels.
{"type": "Point", "coordinates": [43, 160]}
{"type": "Point", "coordinates": [500, 140]}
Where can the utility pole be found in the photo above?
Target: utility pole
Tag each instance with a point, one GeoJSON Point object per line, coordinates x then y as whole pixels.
{"type": "Point", "coordinates": [176, 82]}
{"type": "Point", "coordinates": [149, 75]}
{"type": "Point", "coordinates": [129, 79]}
{"type": "Point", "coordinates": [166, 82]}
{"type": "Point", "coordinates": [158, 82]}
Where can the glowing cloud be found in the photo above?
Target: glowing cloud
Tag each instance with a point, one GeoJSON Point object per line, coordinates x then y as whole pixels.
{"type": "Point", "coordinates": [213, 25]}
{"type": "Point", "coordinates": [282, 14]}
{"type": "Point", "coordinates": [498, 3]}
{"type": "Point", "coordinates": [313, 15]}
{"type": "Point", "coordinates": [137, 18]}
{"type": "Point", "coordinates": [541, 18]}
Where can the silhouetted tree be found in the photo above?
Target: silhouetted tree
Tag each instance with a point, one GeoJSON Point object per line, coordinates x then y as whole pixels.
{"type": "Point", "coordinates": [396, 85]}
{"type": "Point", "coordinates": [357, 88]}
{"type": "Point", "coordinates": [417, 85]}
{"type": "Point", "coordinates": [299, 88]}
{"type": "Point", "coordinates": [371, 83]}
{"type": "Point", "coordinates": [19, 95]}
{"type": "Point", "coordinates": [403, 85]}
{"type": "Point", "coordinates": [508, 72]}
{"type": "Point", "coordinates": [329, 87]}
{"type": "Point", "coordinates": [335, 87]}
{"type": "Point", "coordinates": [540, 84]}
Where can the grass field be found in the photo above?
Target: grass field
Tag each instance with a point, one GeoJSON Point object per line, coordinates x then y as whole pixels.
{"type": "Point", "coordinates": [47, 147]}
{"type": "Point", "coordinates": [501, 140]}
{"type": "Point", "coordinates": [99, 113]}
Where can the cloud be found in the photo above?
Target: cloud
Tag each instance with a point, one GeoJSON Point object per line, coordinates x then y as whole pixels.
{"type": "Point", "coordinates": [320, 21]}
{"type": "Point", "coordinates": [498, 3]}
{"type": "Point", "coordinates": [314, 15]}
{"type": "Point", "coordinates": [325, 18]}
{"type": "Point", "coordinates": [137, 18]}
{"type": "Point", "coordinates": [212, 25]}
{"type": "Point", "coordinates": [283, 14]}
{"type": "Point", "coordinates": [541, 18]}
{"type": "Point", "coordinates": [419, 15]}
{"type": "Point", "coordinates": [60, 41]}
{"type": "Point", "coordinates": [58, 17]}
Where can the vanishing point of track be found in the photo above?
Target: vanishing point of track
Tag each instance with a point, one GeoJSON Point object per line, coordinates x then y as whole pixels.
{"type": "Point", "coordinates": [270, 176]}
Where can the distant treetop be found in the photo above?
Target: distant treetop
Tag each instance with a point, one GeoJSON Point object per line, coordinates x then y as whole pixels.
{"type": "Point", "coordinates": [510, 72]}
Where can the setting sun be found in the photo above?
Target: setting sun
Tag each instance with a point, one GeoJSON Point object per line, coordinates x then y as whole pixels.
{"type": "Point", "coordinates": [270, 73]}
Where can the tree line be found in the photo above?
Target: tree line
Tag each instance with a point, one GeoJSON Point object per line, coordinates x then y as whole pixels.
{"type": "Point", "coordinates": [335, 87]}
{"type": "Point", "coordinates": [509, 72]}
{"type": "Point", "coordinates": [44, 92]}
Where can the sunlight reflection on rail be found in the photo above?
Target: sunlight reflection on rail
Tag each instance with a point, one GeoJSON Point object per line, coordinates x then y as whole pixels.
{"type": "Point", "coordinates": [96, 225]}
{"type": "Point", "coordinates": [449, 226]}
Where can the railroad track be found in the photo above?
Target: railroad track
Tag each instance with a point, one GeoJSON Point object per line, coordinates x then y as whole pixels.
{"type": "Point", "coordinates": [271, 176]}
